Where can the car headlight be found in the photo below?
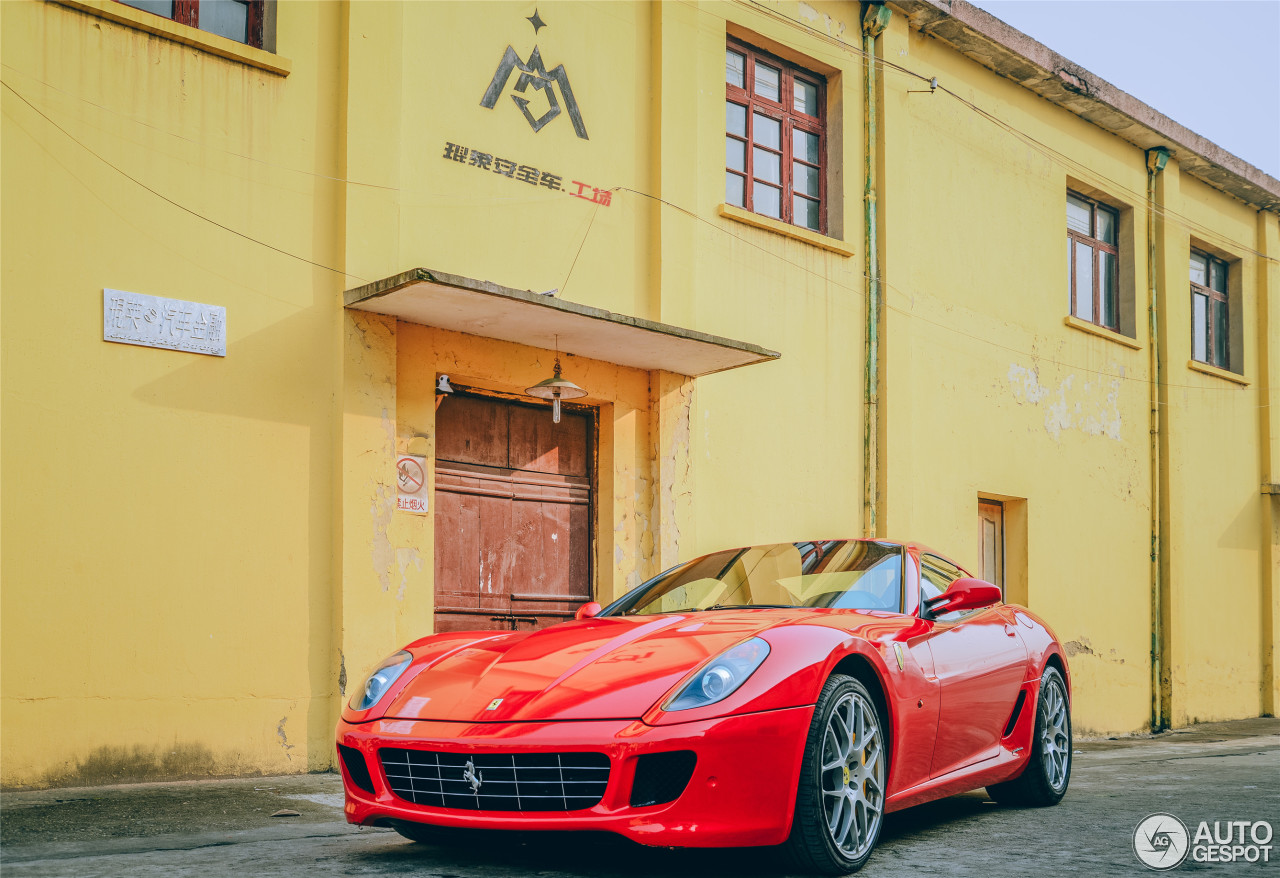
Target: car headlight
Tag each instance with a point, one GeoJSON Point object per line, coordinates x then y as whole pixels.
{"type": "Point", "coordinates": [380, 681]}
{"type": "Point", "coordinates": [720, 677]}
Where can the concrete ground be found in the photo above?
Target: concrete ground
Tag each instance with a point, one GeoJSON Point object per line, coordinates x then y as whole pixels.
{"type": "Point", "coordinates": [1221, 771]}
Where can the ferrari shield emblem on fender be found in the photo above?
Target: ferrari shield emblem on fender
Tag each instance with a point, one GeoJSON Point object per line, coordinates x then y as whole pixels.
{"type": "Point", "coordinates": [897, 650]}
{"type": "Point", "coordinates": [493, 705]}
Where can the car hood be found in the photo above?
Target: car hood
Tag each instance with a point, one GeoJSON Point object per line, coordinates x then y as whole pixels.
{"type": "Point", "coordinates": [610, 668]}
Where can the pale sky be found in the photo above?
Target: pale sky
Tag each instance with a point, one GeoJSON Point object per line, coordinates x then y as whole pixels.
{"type": "Point", "coordinates": [1211, 65]}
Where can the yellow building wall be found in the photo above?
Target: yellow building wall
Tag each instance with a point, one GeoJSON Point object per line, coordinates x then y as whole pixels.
{"type": "Point", "coordinates": [203, 555]}
{"type": "Point", "coordinates": [1217, 512]}
{"type": "Point", "coordinates": [990, 392]}
{"type": "Point", "coordinates": [166, 516]}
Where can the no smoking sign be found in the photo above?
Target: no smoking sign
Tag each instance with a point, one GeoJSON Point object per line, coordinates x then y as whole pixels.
{"type": "Point", "coordinates": [411, 480]}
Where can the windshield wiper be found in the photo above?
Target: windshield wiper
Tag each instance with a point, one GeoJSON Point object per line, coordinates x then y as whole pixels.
{"type": "Point", "coordinates": [752, 607]}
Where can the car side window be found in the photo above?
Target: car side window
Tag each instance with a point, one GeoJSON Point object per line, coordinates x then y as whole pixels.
{"type": "Point", "coordinates": [935, 576]}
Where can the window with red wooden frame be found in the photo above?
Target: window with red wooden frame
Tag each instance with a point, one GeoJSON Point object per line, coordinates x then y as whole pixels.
{"type": "Point", "coordinates": [775, 140]}
{"type": "Point", "coordinates": [239, 20]}
{"type": "Point", "coordinates": [1210, 303]}
{"type": "Point", "coordinates": [1093, 259]}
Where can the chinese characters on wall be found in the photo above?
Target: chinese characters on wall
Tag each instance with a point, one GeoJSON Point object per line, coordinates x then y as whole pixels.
{"type": "Point", "coordinates": [484, 161]}
{"type": "Point", "coordinates": [156, 322]}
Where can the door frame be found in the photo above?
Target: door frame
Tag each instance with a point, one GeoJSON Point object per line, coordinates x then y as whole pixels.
{"type": "Point", "coordinates": [592, 413]}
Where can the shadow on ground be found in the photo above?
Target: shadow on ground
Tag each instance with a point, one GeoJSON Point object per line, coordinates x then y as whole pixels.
{"type": "Point", "coordinates": [604, 854]}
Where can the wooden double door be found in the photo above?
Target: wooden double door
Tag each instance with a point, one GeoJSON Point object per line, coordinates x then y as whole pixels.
{"type": "Point", "coordinates": [513, 514]}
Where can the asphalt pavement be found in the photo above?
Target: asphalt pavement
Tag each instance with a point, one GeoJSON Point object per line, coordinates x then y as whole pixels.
{"type": "Point", "coordinates": [1214, 773]}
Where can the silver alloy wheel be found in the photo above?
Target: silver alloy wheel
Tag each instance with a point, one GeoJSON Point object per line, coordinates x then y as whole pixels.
{"type": "Point", "coordinates": [853, 775]}
{"type": "Point", "coordinates": [1055, 741]}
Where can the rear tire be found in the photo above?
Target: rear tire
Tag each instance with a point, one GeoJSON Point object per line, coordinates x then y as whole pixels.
{"type": "Point", "coordinates": [1047, 773]}
{"type": "Point", "coordinates": [841, 795]}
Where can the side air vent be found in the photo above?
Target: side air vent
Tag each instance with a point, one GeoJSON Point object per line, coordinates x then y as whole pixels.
{"type": "Point", "coordinates": [1017, 712]}
{"type": "Point", "coordinates": [662, 777]}
{"type": "Point", "coordinates": [357, 768]}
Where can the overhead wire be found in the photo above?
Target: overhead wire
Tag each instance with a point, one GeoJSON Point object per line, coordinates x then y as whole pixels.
{"type": "Point", "coordinates": [826, 276]}
{"type": "Point", "coordinates": [915, 315]}
{"type": "Point", "coordinates": [168, 200]}
{"type": "Point", "coordinates": [1047, 151]}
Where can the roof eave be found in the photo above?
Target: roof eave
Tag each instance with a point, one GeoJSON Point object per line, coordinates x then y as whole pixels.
{"type": "Point", "coordinates": [1007, 51]}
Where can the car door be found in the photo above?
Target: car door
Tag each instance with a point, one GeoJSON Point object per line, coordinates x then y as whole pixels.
{"type": "Point", "coordinates": [980, 662]}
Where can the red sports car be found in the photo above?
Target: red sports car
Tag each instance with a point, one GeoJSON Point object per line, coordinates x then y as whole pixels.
{"type": "Point", "coordinates": [786, 694]}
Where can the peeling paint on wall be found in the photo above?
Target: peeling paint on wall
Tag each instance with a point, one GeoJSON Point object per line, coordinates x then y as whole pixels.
{"type": "Point", "coordinates": [404, 558]}
{"type": "Point", "coordinates": [1082, 646]}
{"type": "Point", "coordinates": [384, 503]}
{"type": "Point", "coordinates": [284, 738]}
{"type": "Point", "coordinates": [1091, 406]}
{"type": "Point", "coordinates": [381, 553]}
{"type": "Point", "coordinates": [821, 19]}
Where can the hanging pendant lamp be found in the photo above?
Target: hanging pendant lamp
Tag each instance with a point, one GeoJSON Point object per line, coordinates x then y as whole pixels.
{"type": "Point", "coordinates": [555, 389]}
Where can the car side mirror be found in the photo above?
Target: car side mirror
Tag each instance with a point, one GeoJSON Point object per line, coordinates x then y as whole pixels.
{"type": "Point", "coordinates": [589, 610]}
{"type": "Point", "coordinates": [964, 594]}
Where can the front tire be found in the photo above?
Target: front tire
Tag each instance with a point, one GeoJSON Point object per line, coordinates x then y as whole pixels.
{"type": "Point", "coordinates": [841, 796]}
{"type": "Point", "coordinates": [1045, 778]}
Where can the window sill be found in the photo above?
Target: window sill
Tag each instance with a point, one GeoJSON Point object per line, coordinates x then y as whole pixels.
{"type": "Point", "coordinates": [1102, 332]}
{"type": "Point", "coordinates": [1217, 372]}
{"type": "Point", "coordinates": [181, 33]}
{"type": "Point", "coordinates": [809, 236]}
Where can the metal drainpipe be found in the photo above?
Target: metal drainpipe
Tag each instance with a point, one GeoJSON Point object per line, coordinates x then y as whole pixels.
{"type": "Point", "coordinates": [874, 20]}
{"type": "Point", "coordinates": [1156, 160]}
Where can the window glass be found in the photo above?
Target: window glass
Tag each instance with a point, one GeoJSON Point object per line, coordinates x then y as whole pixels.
{"type": "Point", "coordinates": [1217, 276]}
{"type": "Point", "coordinates": [1106, 226]}
{"type": "Point", "coordinates": [1199, 269]}
{"type": "Point", "coordinates": [767, 200]}
{"type": "Point", "coordinates": [1079, 215]}
{"type": "Point", "coordinates": [736, 119]}
{"type": "Point", "coordinates": [804, 145]}
{"type": "Point", "coordinates": [806, 98]}
{"type": "Point", "coordinates": [1110, 307]}
{"type": "Point", "coordinates": [805, 179]}
{"type": "Point", "coordinates": [838, 574]}
{"type": "Point", "coordinates": [1084, 281]}
{"type": "Point", "coordinates": [768, 132]}
{"type": "Point", "coordinates": [159, 7]}
{"type": "Point", "coordinates": [226, 18]}
{"type": "Point", "coordinates": [735, 65]}
{"type": "Point", "coordinates": [734, 190]}
{"type": "Point", "coordinates": [1220, 333]}
{"type": "Point", "coordinates": [735, 154]}
{"type": "Point", "coordinates": [1199, 327]}
{"type": "Point", "coordinates": [768, 81]}
{"type": "Point", "coordinates": [936, 576]}
{"type": "Point", "coordinates": [806, 212]}
{"type": "Point", "coordinates": [767, 165]}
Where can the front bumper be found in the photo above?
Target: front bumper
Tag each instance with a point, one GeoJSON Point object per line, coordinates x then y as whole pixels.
{"type": "Point", "coordinates": [742, 792]}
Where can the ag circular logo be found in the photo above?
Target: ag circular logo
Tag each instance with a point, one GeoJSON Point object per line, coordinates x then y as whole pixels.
{"type": "Point", "coordinates": [1161, 842]}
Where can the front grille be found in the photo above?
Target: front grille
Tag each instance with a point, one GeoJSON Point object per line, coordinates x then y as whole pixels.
{"type": "Point", "coordinates": [502, 781]}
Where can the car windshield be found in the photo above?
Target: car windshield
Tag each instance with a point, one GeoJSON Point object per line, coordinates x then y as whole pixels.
{"type": "Point", "coordinates": [839, 574]}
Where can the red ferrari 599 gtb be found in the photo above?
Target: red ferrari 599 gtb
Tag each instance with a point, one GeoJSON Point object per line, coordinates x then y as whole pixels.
{"type": "Point", "coordinates": [787, 694]}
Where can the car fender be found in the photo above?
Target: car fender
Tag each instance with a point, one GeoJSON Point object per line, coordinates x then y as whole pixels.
{"type": "Point", "coordinates": [1041, 644]}
{"type": "Point", "coordinates": [426, 651]}
{"type": "Point", "coordinates": [801, 659]}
